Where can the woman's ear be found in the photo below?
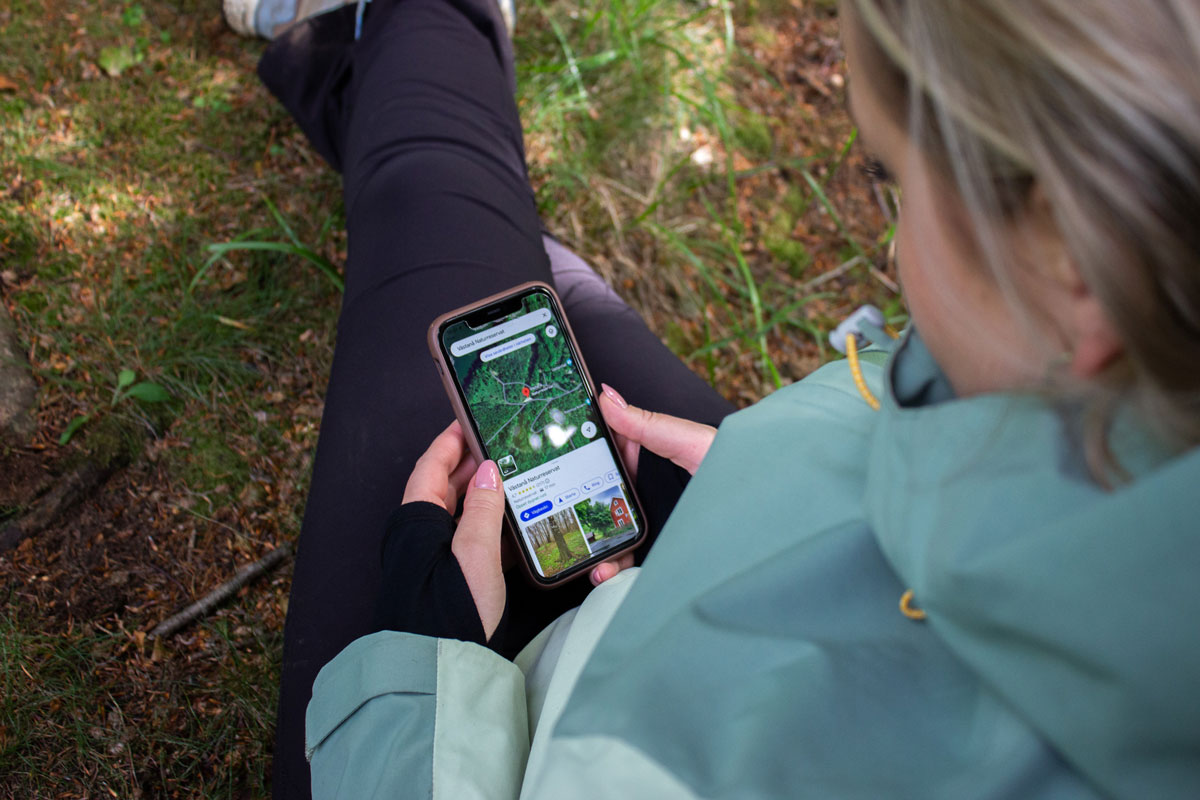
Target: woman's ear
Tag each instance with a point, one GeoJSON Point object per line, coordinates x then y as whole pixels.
{"type": "Point", "coordinates": [1094, 340]}
{"type": "Point", "coordinates": [1087, 332]}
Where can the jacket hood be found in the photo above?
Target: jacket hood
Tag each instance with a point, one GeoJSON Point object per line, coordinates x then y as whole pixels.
{"type": "Point", "coordinates": [1078, 606]}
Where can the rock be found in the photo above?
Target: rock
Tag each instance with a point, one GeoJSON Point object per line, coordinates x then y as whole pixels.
{"type": "Point", "coordinates": [18, 392]}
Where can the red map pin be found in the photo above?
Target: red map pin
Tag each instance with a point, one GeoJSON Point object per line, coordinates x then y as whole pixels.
{"type": "Point", "coordinates": [525, 391]}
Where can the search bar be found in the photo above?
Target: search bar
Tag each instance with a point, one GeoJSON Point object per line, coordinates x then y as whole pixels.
{"type": "Point", "coordinates": [500, 332]}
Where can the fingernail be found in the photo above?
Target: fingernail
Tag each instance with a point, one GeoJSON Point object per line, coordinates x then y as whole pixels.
{"type": "Point", "coordinates": [487, 476]}
{"type": "Point", "coordinates": [612, 395]}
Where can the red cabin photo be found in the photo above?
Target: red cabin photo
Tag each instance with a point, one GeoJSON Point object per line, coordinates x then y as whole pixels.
{"type": "Point", "coordinates": [619, 511]}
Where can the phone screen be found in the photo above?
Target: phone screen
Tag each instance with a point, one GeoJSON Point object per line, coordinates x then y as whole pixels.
{"type": "Point", "coordinates": [536, 418]}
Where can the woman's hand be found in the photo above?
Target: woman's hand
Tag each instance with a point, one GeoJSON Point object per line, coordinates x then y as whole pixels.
{"type": "Point", "coordinates": [439, 477]}
{"type": "Point", "coordinates": [682, 441]}
{"type": "Point", "coordinates": [447, 467]}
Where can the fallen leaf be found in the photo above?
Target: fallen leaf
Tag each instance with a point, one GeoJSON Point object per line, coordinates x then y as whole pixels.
{"type": "Point", "coordinates": [115, 60]}
{"type": "Point", "coordinates": [7, 85]}
{"type": "Point", "coordinates": [148, 392]}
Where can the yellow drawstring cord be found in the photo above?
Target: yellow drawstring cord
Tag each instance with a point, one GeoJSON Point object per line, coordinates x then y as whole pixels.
{"type": "Point", "coordinates": [856, 371]}
{"type": "Point", "coordinates": [908, 609]}
{"type": "Point", "coordinates": [906, 599]}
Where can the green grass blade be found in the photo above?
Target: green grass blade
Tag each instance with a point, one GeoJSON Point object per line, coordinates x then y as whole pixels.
{"type": "Point", "coordinates": [819, 191]}
{"type": "Point", "coordinates": [323, 265]}
{"type": "Point", "coordinates": [281, 222]}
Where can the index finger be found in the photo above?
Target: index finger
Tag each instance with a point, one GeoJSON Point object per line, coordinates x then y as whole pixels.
{"type": "Point", "coordinates": [431, 474]}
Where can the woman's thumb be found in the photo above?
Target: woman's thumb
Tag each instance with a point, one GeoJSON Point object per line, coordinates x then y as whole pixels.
{"type": "Point", "coordinates": [483, 507]}
{"type": "Point", "coordinates": [476, 545]}
{"type": "Point", "coordinates": [682, 441]}
{"type": "Point", "coordinates": [624, 419]}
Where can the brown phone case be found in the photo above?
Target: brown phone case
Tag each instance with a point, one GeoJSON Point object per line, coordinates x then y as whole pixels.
{"type": "Point", "coordinates": [460, 412]}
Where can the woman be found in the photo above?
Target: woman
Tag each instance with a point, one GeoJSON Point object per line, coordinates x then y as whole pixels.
{"type": "Point", "coordinates": [986, 588]}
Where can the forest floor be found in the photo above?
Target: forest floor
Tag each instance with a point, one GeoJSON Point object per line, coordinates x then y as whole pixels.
{"type": "Point", "coordinates": [169, 248]}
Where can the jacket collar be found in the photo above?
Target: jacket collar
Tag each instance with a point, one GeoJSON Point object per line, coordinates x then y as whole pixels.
{"type": "Point", "coordinates": [1075, 604]}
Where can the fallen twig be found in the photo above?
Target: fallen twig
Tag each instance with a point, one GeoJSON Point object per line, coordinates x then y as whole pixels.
{"type": "Point", "coordinates": [205, 605]}
{"type": "Point", "coordinates": [885, 280]}
{"type": "Point", "coordinates": [825, 277]}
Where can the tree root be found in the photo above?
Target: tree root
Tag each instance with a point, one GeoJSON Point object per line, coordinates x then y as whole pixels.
{"type": "Point", "coordinates": [65, 495]}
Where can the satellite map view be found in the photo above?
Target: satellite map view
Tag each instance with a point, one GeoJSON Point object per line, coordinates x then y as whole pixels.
{"type": "Point", "coordinates": [527, 398]}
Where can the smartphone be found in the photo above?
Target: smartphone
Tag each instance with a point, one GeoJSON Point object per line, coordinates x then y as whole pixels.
{"type": "Point", "coordinates": [524, 398]}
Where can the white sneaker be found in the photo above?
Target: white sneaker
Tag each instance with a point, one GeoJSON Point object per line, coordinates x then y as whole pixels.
{"type": "Point", "coordinates": [269, 18]}
{"type": "Point", "coordinates": [239, 15]}
{"type": "Point", "coordinates": [508, 10]}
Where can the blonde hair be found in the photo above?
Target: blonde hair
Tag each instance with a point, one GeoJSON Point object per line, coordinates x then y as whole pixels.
{"type": "Point", "coordinates": [1097, 103]}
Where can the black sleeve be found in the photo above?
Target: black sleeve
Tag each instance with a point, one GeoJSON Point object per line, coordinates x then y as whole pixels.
{"type": "Point", "coordinates": [660, 483]}
{"type": "Point", "coordinates": [424, 590]}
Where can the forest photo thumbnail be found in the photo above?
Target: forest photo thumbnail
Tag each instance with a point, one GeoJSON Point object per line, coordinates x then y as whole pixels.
{"type": "Point", "coordinates": [557, 541]}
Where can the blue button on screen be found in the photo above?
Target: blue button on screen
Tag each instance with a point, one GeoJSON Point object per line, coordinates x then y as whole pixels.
{"type": "Point", "coordinates": [532, 513]}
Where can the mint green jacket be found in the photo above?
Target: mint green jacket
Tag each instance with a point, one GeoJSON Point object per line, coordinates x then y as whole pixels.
{"type": "Point", "coordinates": [761, 650]}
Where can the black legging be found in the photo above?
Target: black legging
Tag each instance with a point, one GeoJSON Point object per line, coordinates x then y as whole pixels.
{"type": "Point", "coordinates": [419, 117]}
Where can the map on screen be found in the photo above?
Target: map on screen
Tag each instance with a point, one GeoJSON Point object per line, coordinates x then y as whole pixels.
{"type": "Point", "coordinates": [527, 398]}
{"type": "Point", "coordinates": [535, 418]}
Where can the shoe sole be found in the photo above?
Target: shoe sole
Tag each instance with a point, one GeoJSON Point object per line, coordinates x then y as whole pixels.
{"type": "Point", "coordinates": [239, 15]}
